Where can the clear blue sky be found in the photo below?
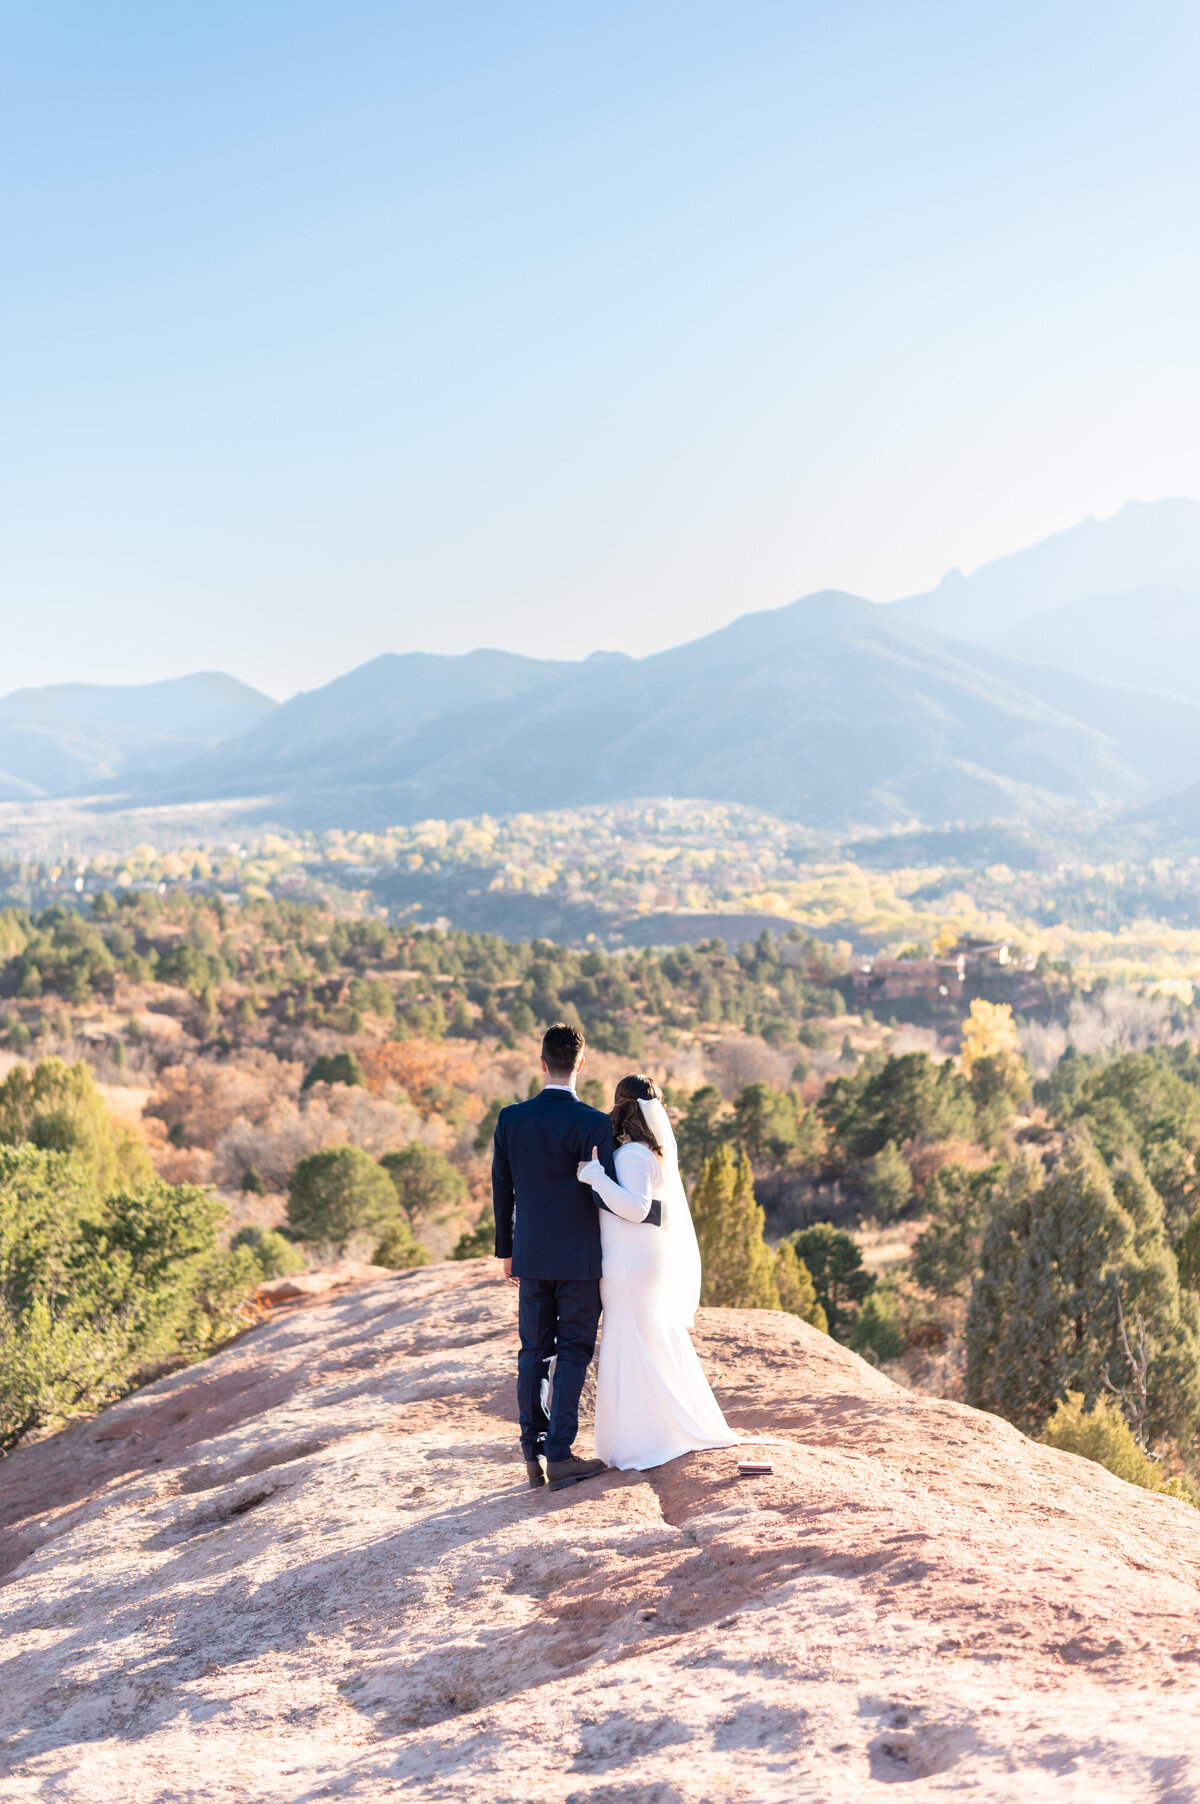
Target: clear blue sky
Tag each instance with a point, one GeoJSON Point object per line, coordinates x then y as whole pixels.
{"type": "Point", "coordinates": [331, 329]}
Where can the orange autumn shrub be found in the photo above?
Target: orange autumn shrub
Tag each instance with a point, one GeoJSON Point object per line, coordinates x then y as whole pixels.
{"type": "Point", "coordinates": [416, 1067]}
{"type": "Point", "coordinates": [926, 1157]}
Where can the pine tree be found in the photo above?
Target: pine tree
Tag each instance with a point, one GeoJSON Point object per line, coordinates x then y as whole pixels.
{"type": "Point", "coordinates": [1187, 1254]}
{"type": "Point", "coordinates": [1062, 1262]}
{"type": "Point", "coordinates": [888, 1183]}
{"type": "Point", "coordinates": [1150, 1288]}
{"type": "Point", "coordinates": [958, 1202]}
{"type": "Point", "coordinates": [793, 1281]}
{"type": "Point", "coordinates": [736, 1265]}
{"type": "Point", "coordinates": [839, 1277]}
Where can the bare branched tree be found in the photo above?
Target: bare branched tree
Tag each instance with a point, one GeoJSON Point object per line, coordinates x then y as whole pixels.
{"type": "Point", "coordinates": [1133, 1395]}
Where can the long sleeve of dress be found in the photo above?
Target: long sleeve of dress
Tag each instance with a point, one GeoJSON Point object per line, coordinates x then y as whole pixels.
{"type": "Point", "coordinates": [637, 1173]}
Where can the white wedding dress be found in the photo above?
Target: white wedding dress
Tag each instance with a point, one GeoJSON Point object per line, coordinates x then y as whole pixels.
{"type": "Point", "coordinates": [653, 1401]}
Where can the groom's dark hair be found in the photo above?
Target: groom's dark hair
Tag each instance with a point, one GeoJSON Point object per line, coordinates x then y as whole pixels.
{"type": "Point", "coordinates": [561, 1047]}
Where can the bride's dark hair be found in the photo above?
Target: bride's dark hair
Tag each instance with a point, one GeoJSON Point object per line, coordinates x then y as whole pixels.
{"type": "Point", "coordinates": [627, 1119]}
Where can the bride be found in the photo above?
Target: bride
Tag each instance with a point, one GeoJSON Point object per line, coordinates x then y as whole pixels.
{"type": "Point", "coordinates": [653, 1401]}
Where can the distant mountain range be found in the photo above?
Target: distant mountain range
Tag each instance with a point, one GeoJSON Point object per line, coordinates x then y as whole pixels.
{"type": "Point", "coordinates": [1064, 677]}
{"type": "Point", "coordinates": [1149, 544]}
{"type": "Point", "coordinates": [75, 737]}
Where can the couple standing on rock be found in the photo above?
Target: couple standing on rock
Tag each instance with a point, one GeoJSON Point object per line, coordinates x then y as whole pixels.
{"type": "Point", "coordinates": [591, 1211]}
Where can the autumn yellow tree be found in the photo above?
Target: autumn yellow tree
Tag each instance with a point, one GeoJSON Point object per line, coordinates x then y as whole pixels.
{"type": "Point", "coordinates": [988, 1032]}
{"type": "Point", "coordinates": [992, 1064]}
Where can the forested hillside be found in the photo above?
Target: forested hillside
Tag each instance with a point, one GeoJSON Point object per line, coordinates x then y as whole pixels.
{"type": "Point", "coordinates": [207, 1093]}
{"type": "Point", "coordinates": [265, 964]}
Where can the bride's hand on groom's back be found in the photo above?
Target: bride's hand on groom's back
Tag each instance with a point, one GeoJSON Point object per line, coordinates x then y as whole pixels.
{"type": "Point", "coordinates": [585, 1163]}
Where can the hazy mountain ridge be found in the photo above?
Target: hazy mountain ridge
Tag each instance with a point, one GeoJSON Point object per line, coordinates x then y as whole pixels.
{"type": "Point", "coordinates": [1147, 638]}
{"type": "Point", "coordinates": [830, 710]}
{"type": "Point", "coordinates": [378, 710]}
{"type": "Point", "coordinates": [1029, 688]}
{"type": "Point", "coordinates": [71, 737]}
{"type": "Point", "coordinates": [1147, 544]}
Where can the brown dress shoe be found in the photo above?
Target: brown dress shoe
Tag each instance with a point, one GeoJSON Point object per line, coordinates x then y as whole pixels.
{"type": "Point", "coordinates": [536, 1471]}
{"type": "Point", "coordinates": [569, 1471]}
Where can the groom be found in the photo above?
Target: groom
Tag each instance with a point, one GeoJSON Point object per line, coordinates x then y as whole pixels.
{"type": "Point", "coordinates": [548, 1236]}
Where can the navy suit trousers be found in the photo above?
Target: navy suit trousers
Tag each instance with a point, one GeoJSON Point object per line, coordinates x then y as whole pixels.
{"type": "Point", "coordinates": [558, 1319]}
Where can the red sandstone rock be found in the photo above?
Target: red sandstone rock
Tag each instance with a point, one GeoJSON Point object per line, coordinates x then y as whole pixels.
{"type": "Point", "coordinates": [311, 1567]}
{"type": "Point", "coordinates": [314, 1284]}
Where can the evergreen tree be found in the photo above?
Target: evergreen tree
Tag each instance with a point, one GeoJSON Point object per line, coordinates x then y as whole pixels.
{"type": "Point", "coordinates": [836, 1263]}
{"type": "Point", "coordinates": [428, 1186]}
{"type": "Point", "coordinates": [1150, 1288]}
{"type": "Point", "coordinates": [702, 1129]}
{"type": "Point", "coordinates": [793, 1281]}
{"type": "Point", "coordinates": [958, 1202]}
{"type": "Point", "coordinates": [877, 1328]}
{"type": "Point", "coordinates": [1142, 1102]}
{"type": "Point", "coordinates": [1062, 1262]}
{"type": "Point", "coordinates": [93, 1290]}
{"type": "Point", "coordinates": [1187, 1254]}
{"type": "Point", "coordinates": [736, 1265]}
{"type": "Point", "coordinates": [339, 1194]}
{"type": "Point", "coordinates": [766, 1122]}
{"type": "Point", "coordinates": [888, 1183]}
{"type": "Point", "coordinates": [908, 1097]}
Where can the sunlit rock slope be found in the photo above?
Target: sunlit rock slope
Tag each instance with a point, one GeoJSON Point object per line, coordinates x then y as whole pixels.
{"type": "Point", "coordinates": [311, 1568]}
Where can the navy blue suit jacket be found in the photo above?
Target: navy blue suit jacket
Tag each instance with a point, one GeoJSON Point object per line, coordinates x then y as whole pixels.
{"type": "Point", "coordinates": [546, 1220]}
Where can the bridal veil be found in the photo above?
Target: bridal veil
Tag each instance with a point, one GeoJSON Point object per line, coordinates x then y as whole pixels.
{"type": "Point", "coordinates": [682, 1263]}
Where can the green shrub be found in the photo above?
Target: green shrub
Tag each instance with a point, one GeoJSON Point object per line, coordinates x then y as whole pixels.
{"type": "Point", "coordinates": [877, 1328]}
{"type": "Point", "coordinates": [338, 1195]}
{"type": "Point", "coordinates": [479, 1242]}
{"type": "Point", "coordinates": [427, 1185]}
{"type": "Point", "coordinates": [274, 1256]}
{"type": "Point", "coordinates": [95, 1293]}
{"type": "Point", "coordinates": [1102, 1434]}
{"type": "Point", "coordinates": [521, 1017]}
{"type": "Point", "coordinates": [398, 1249]}
{"type": "Point", "coordinates": [57, 1107]}
{"type": "Point", "coordinates": [333, 1068]}
{"type": "Point", "coordinates": [485, 1132]}
{"type": "Point", "coordinates": [623, 1038]}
